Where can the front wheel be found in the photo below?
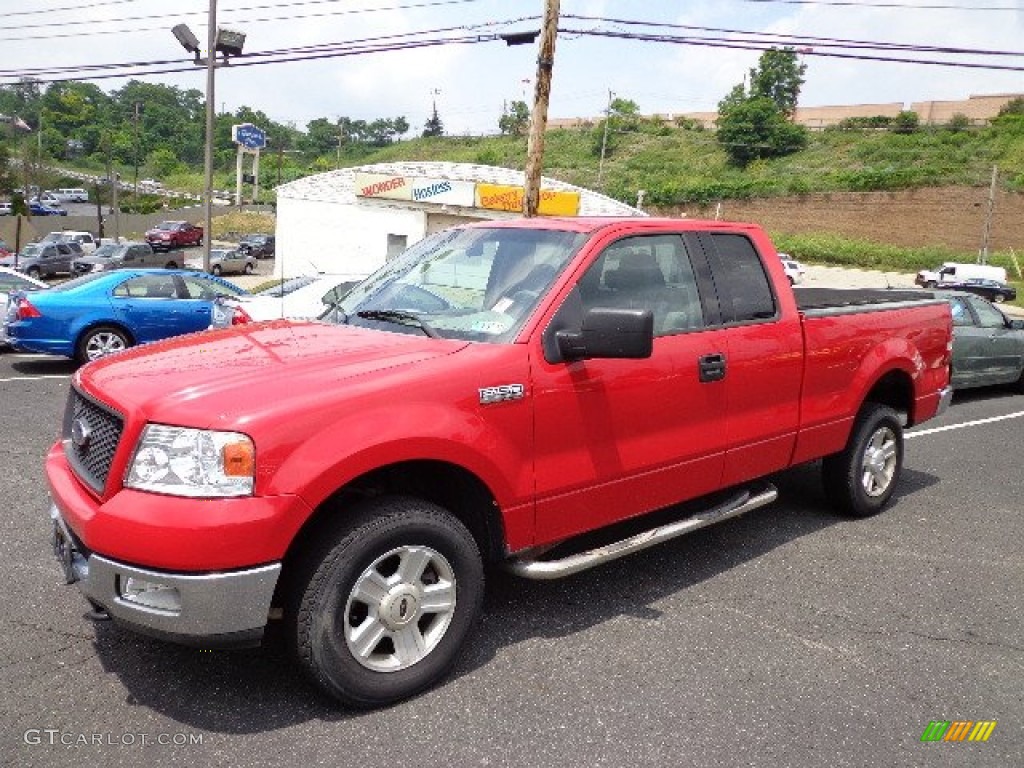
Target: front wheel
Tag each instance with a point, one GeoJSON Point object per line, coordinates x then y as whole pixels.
{"type": "Point", "coordinates": [34, 273]}
{"type": "Point", "coordinates": [248, 269]}
{"type": "Point", "coordinates": [861, 478]}
{"type": "Point", "coordinates": [170, 265]}
{"type": "Point", "coordinates": [385, 603]}
{"type": "Point", "coordinates": [999, 298]}
{"type": "Point", "coordinates": [99, 342]}
{"type": "Point", "coordinates": [215, 269]}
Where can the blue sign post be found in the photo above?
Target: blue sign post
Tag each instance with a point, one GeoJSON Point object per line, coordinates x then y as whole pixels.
{"type": "Point", "coordinates": [249, 139]}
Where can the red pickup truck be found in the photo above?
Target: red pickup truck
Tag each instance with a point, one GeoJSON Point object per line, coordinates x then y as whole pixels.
{"type": "Point", "coordinates": [486, 398]}
{"type": "Point", "coordinates": [174, 234]}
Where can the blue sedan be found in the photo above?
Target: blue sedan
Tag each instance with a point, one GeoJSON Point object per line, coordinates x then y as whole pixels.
{"type": "Point", "coordinates": [105, 312]}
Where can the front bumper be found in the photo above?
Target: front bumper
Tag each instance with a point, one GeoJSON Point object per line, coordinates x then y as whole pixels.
{"type": "Point", "coordinates": [220, 609]}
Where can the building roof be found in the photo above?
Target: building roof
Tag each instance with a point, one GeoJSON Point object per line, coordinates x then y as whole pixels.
{"type": "Point", "coordinates": [339, 186]}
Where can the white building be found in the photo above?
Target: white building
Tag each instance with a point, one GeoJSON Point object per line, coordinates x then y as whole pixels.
{"type": "Point", "coordinates": [353, 219]}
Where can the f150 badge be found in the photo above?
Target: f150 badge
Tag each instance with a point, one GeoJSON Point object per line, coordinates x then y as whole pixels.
{"type": "Point", "coordinates": [501, 393]}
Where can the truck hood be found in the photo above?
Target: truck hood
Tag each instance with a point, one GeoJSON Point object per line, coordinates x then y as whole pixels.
{"type": "Point", "coordinates": [223, 376]}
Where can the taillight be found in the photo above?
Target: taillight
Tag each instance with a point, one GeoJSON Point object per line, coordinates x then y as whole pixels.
{"type": "Point", "coordinates": [26, 310]}
{"type": "Point", "coordinates": [240, 317]}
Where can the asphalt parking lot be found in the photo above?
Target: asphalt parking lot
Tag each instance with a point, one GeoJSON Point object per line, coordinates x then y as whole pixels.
{"type": "Point", "coordinates": [789, 637]}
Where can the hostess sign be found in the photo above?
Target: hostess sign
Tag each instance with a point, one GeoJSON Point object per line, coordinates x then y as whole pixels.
{"type": "Point", "coordinates": [462, 193]}
{"type": "Point", "coordinates": [249, 136]}
{"type": "Point", "coordinates": [417, 189]}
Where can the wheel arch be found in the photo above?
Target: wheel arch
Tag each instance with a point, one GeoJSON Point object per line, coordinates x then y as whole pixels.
{"type": "Point", "coordinates": [895, 388]}
{"type": "Point", "coordinates": [106, 323]}
{"type": "Point", "coordinates": [450, 486]}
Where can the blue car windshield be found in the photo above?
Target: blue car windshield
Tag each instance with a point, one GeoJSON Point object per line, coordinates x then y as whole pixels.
{"type": "Point", "coordinates": [477, 283]}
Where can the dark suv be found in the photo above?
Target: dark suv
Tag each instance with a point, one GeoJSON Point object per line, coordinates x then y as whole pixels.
{"type": "Point", "coordinates": [260, 246]}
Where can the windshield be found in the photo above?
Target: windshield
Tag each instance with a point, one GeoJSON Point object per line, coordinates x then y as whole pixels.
{"type": "Point", "coordinates": [168, 225]}
{"type": "Point", "coordinates": [106, 251]}
{"type": "Point", "coordinates": [31, 250]}
{"type": "Point", "coordinates": [478, 284]}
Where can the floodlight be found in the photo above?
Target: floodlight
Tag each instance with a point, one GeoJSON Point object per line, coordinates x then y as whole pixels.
{"type": "Point", "coordinates": [229, 42]}
{"type": "Point", "coordinates": [188, 40]}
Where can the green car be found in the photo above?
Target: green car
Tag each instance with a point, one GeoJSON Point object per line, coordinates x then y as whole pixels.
{"type": "Point", "coordinates": [988, 346]}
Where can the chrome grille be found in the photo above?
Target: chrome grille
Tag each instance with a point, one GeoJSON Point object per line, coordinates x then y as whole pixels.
{"type": "Point", "coordinates": [91, 435]}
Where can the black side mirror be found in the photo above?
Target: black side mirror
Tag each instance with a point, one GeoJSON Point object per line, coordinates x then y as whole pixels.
{"type": "Point", "coordinates": [1017, 325]}
{"type": "Point", "coordinates": [609, 333]}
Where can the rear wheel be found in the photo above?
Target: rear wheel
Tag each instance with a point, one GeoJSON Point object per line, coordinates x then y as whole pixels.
{"type": "Point", "coordinates": [861, 478]}
{"type": "Point", "coordinates": [34, 272]}
{"type": "Point", "coordinates": [215, 269]}
{"type": "Point", "coordinates": [386, 601]}
{"type": "Point", "coordinates": [999, 298]}
{"type": "Point", "coordinates": [248, 269]}
{"type": "Point", "coordinates": [99, 342]}
{"type": "Point", "coordinates": [170, 265]}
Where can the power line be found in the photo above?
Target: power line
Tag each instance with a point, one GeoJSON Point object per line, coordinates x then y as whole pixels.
{"type": "Point", "coordinates": [901, 6]}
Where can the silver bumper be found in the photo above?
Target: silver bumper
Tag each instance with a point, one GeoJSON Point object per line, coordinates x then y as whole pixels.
{"type": "Point", "coordinates": [224, 608]}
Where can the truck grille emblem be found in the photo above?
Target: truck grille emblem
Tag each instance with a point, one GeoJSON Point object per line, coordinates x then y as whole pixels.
{"type": "Point", "coordinates": [81, 433]}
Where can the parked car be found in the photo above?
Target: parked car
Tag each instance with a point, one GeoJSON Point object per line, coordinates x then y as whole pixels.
{"type": "Point", "coordinates": [988, 347]}
{"type": "Point", "coordinates": [104, 312]}
{"type": "Point", "coordinates": [174, 234]}
{"type": "Point", "coordinates": [128, 254]}
{"type": "Point", "coordinates": [993, 290]}
{"type": "Point", "coordinates": [48, 198]}
{"type": "Point", "coordinates": [223, 261]}
{"type": "Point", "coordinates": [260, 246]}
{"type": "Point", "coordinates": [4, 250]}
{"type": "Point", "coordinates": [72, 195]}
{"type": "Point", "coordinates": [40, 209]}
{"type": "Point", "coordinates": [10, 281]}
{"type": "Point", "coordinates": [44, 259]}
{"type": "Point", "coordinates": [956, 272]}
{"type": "Point", "coordinates": [794, 269]}
{"type": "Point", "coordinates": [301, 298]}
{"type": "Point", "coordinates": [84, 239]}
{"type": "Point", "coordinates": [6, 209]}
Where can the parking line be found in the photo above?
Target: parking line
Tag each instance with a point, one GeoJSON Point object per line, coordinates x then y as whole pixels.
{"type": "Point", "coordinates": [1017, 415]}
{"type": "Point", "coordinates": [37, 378]}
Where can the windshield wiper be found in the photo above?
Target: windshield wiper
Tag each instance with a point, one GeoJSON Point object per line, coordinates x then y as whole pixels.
{"type": "Point", "coordinates": [399, 317]}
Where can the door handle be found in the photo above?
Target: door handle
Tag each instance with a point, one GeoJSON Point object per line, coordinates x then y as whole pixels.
{"type": "Point", "coordinates": [711, 367]}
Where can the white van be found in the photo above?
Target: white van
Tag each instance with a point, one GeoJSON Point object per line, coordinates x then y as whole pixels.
{"type": "Point", "coordinates": [72, 195]}
{"type": "Point", "coordinates": [954, 272]}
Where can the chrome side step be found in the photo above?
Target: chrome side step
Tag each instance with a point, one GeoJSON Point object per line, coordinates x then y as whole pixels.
{"type": "Point", "coordinates": [556, 569]}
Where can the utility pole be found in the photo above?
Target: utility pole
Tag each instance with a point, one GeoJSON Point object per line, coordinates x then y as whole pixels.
{"type": "Point", "coordinates": [986, 233]}
{"type": "Point", "coordinates": [541, 95]}
{"type": "Point", "coordinates": [604, 137]}
{"type": "Point", "coordinates": [135, 119]}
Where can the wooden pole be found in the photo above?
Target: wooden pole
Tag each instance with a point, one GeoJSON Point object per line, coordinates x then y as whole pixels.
{"type": "Point", "coordinates": [541, 95]}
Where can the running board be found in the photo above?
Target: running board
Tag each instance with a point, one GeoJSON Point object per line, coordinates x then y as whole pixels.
{"type": "Point", "coordinates": [556, 569]}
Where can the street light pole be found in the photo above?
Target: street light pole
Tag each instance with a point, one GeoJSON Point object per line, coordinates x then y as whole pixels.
{"type": "Point", "coordinates": [211, 68]}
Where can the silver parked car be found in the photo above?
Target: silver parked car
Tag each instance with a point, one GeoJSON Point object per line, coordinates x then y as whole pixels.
{"type": "Point", "coordinates": [224, 261]}
{"type": "Point", "coordinates": [988, 347]}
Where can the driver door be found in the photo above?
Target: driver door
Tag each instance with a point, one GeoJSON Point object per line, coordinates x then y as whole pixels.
{"type": "Point", "coordinates": [616, 438]}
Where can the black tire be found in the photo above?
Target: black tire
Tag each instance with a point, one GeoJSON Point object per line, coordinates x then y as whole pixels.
{"type": "Point", "coordinates": [860, 479]}
{"type": "Point", "coordinates": [34, 272]}
{"type": "Point", "coordinates": [99, 342]}
{"type": "Point", "coordinates": [395, 548]}
{"type": "Point", "coordinates": [248, 268]}
{"type": "Point", "coordinates": [999, 298]}
{"type": "Point", "coordinates": [170, 265]}
{"type": "Point", "coordinates": [930, 284]}
{"type": "Point", "coordinates": [215, 269]}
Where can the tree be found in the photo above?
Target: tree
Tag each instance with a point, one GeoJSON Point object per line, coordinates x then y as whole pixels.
{"type": "Point", "coordinates": [433, 126]}
{"type": "Point", "coordinates": [905, 122]}
{"type": "Point", "coordinates": [754, 129]}
{"type": "Point", "coordinates": [758, 124]}
{"type": "Point", "coordinates": [516, 120]}
{"type": "Point", "coordinates": [779, 77]}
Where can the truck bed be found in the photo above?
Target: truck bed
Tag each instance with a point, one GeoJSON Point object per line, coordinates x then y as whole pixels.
{"type": "Point", "coordinates": [815, 300]}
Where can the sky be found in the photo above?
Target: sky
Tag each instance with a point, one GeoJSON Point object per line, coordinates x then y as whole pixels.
{"type": "Point", "coordinates": [471, 83]}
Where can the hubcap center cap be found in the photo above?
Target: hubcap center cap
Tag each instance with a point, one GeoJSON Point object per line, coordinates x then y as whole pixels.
{"type": "Point", "coordinates": [400, 608]}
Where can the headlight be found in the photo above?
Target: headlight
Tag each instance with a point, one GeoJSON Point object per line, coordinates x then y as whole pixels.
{"type": "Point", "coordinates": [193, 462]}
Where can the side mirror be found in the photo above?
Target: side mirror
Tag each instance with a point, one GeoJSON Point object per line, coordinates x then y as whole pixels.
{"type": "Point", "coordinates": [609, 333]}
{"type": "Point", "coordinates": [1017, 325]}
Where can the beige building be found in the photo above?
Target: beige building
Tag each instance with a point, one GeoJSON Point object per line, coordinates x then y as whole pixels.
{"type": "Point", "coordinates": [979, 109]}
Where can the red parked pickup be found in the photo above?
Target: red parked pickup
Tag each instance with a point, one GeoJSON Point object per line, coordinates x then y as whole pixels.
{"type": "Point", "coordinates": [489, 396]}
{"type": "Point", "coordinates": [174, 234]}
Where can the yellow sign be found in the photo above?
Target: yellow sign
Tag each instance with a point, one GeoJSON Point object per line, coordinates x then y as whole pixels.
{"type": "Point", "coordinates": [500, 197]}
